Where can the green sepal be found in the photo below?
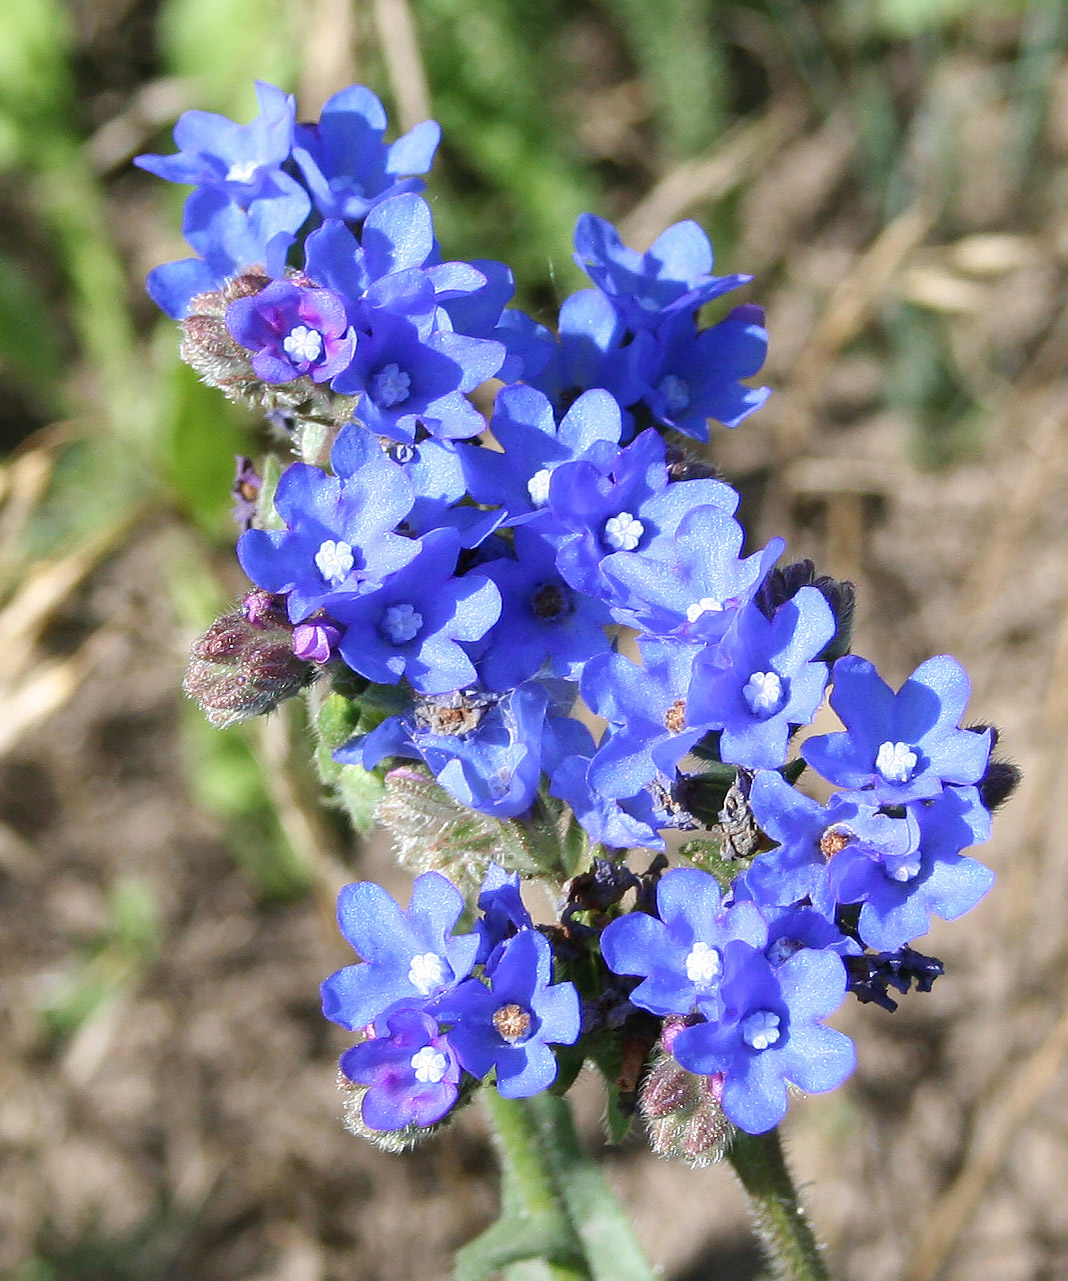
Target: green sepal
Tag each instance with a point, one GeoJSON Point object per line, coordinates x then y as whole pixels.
{"type": "Point", "coordinates": [707, 854]}
{"type": "Point", "coordinates": [270, 474]}
{"type": "Point", "coordinates": [793, 771]}
{"type": "Point", "coordinates": [569, 1061]}
{"type": "Point", "coordinates": [337, 719]}
{"type": "Point", "coordinates": [607, 1057]}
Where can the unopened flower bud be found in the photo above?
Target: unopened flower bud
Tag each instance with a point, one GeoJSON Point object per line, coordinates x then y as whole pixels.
{"type": "Point", "coordinates": [683, 1114]}
{"type": "Point", "coordinates": [783, 584]}
{"type": "Point", "coordinates": [244, 664]}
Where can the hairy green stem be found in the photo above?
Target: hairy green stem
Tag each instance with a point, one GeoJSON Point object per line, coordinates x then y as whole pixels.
{"type": "Point", "coordinates": [559, 1219]}
{"type": "Point", "coordinates": [783, 1229]}
{"type": "Point", "coordinates": [608, 1240]}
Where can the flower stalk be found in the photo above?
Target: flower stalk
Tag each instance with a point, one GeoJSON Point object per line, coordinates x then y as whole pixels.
{"type": "Point", "coordinates": [781, 1224]}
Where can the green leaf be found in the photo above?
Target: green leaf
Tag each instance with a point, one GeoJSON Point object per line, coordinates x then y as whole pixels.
{"type": "Point", "coordinates": [222, 46]}
{"type": "Point", "coordinates": [29, 336]}
{"type": "Point", "coordinates": [202, 434]}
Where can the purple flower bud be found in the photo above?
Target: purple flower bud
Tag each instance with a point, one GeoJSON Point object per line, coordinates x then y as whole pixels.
{"type": "Point", "coordinates": [244, 664]}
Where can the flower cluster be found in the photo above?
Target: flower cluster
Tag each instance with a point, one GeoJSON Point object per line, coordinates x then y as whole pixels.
{"type": "Point", "coordinates": [435, 1007]}
{"type": "Point", "coordinates": [470, 590]}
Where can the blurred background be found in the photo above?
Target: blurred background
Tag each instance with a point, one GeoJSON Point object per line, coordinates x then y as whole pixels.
{"type": "Point", "coordinates": [895, 175]}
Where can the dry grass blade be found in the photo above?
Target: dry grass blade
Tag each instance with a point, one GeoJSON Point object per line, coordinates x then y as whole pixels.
{"type": "Point", "coordinates": [399, 45]}
{"type": "Point", "coordinates": [1021, 1089]}
{"type": "Point", "coordinates": [845, 314]}
{"type": "Point", "coordinates": [36, 697]}
{"type": "Point", "coordinates": [329, 62]}
{"type": "Point", "coordinates": [43, 592]}
{"type": "Point", "coordinates": [735, 159]}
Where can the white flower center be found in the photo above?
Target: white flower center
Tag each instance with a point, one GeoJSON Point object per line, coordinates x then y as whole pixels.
{"type": "Point", "coordinates": [429, 1065]}
{"type": "Point", "coordinates": [390, 386]}
{"type": "Point", "coordinates": [764, 693]}
{"type": "Point", "coordinates": [400, 623]}
{"type": "Point", "coordinates": [676, 393]}
{"type": "Point", "coordinates": [242, 171]}
{"type": "Point", "coordinates": [703, 964]}
{"type": "Point", "coordinates": [334, 561]}
{"type": "Point", "coordinates": [303, 345]}
{"type": "Point", "coordinates": [904, 868]}
{"type": "Point", "coordinates": [426, 972]}
{"type": "Point", "coordinates": [706, 605]}
{"type": "Point", "coordinates": [538, 487]}
{"type": "Point", "coordinates": [623, 532]}
{"type": "Point", "coordinates": [896, 762]}
{"type": "Point", "coordinates": [761, 1029]}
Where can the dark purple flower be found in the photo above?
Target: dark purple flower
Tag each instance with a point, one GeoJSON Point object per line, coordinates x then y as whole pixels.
{"type": "Point", "coordinates": [245, 491]}
{"type": "Point", "coordinates": [904, 745]}
{"type": "Point", "coordinates": [293, 332]}
{"type": "Point", "coordinates": [406, 956]}
{"type": "Point", "coordinates": [510, 1024]}
{"type": "Point", "coordinates": [411, 1070]}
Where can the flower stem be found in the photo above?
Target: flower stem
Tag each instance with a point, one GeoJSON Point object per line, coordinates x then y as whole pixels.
{"type": "Point", "coordinates": [559, 1218]}
{"type": "Point", "coordinates": [609, 1243]}
{"type": "Point", "coordinates": [783, 1229]}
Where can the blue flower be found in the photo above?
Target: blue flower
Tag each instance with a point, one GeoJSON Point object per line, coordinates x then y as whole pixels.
{"type": "Point", "coordinates": [347, 166]}
{"type": "Point", "coordinates": [509, 1025]}
{"type": "Point", "coordinates": [770, 1032]}
{"type": "Point", "coordinates": [808, 836]}
{"type": "Point", "coordinates": [242, 162]}
{"type": "Point", "coordinates": [293, 332]}
{"type": "Point", "coordinates": [230, 240]}
{"type": "Point", "coordinates": [617, 824]}
{"type": "Point", "coordinates": [900, 891]}
{"type": "Point", "coordinates": [681, 955]}
{"type": "Point", "coordinates": [696, 376]}
{"type": "Point", "coordinates": [902, 746]}
{"type": "Point", "coordinates": [407, 956]}
{"type": "Point", "coordinates": [589, 351]}
{"type": "Point", "coordinates": [695, 584]}
{"type": "Point", "coordinates": [412, 624]}
{"type": "Point", "coordinates": [406, 381]}
{"type": "Point", "coordinates": [336, 541]}
{"type": "Point", "coordinates": [534, 445]}
{"type": "Point", "coordinates": [410, 1068]}
{"type": "Point", "coordinates": [645, 707]}
{"type": "Point", "coordinates": [760, 680]}
{"type": "Point", "coordinates": [503, 912]}
{"type": "Point", "coordinates": [673, 276]}
{"type": "Point", "coordinates": [486, 750]}
{"type": "Point", "coordinates": [622, 502]}
{"type": "Point", "coordinates": [543, 619]}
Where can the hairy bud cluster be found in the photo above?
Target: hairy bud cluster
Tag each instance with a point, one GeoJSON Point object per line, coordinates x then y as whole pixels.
{"type": "Point", "coordinates": [244, 665]}
{"type": "Point", "coordinates": [683, 1114]}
